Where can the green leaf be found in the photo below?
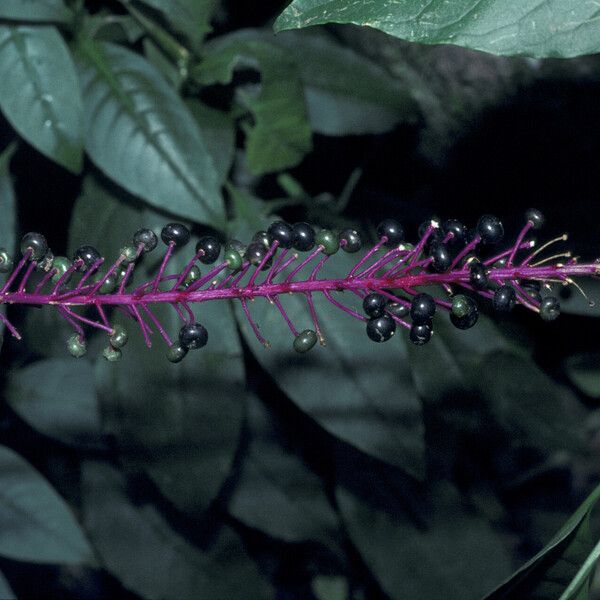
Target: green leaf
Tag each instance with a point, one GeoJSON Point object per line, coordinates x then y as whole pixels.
{"type": "Point", "coordinates": [8, 223]}
{"type": "Point", "coordinates": [36, 524]}
{"type": "Point", "coordinates": [536, 410]}
{"type": "Point", "coordinates": [57, 397]}
{"type": "Point", "coordinates": [537, 28]}
{"type": "Point", "coordinates": [40, 93]}
{"type": "Point", "coordinates": [280, 135]}
{"type": "Point", "coordinates": [137, 546]}
{"type": "Point", "coordinates": [548, 574]}
{"type": "Point", "coordinates": [179, 423]}
{"type": "Point", "coordinates": [454, 555]}
{"type": "Point", "coordinates": [189, 17]}
{"type": "Point", "coordinates": [375, 406]}
{"type": "Point", "coordinates": [276, 492]}
{"type": "Point", "coordinates": [584, 371]}
{"type": "Point", "coordinates": [140, 133]}
{"type": "Point", "coordinates": [35, 10]}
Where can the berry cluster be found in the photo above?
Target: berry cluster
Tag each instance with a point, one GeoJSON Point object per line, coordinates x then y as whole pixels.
{"type": "Point", "coordinates": [387, 279]}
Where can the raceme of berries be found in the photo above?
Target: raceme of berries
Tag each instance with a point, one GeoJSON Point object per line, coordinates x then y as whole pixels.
{"type": "Point", "coordinates": [383, 289]}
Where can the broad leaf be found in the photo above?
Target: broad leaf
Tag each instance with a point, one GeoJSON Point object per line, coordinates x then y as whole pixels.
{"type": "Point", "coordinates": [36, 524]}
{"type": "Point", "coordinates": [276, 491]}
{"type": "Point", "coordinates": [178, 423]}
{"type": "Point", "coordinates": [35, 10]}
{"type": "Point", "coordinates": [558, 28]}
{"type": "Point", "coordinates": [140, 133]}
{"type": "Point", "coordinates": [40, 94]}
{"type": "Point", "coordinates": [548, 574]}
{"type": "Point", "coordinates": [138, 546]}
{"type": "Point", "coordinates": [584, 371]}
{"type": "Point", "coordinates": [359, 391]}
{"type": "Point", "coordinates": [58, 398]}
{"type": "Point", "coordinates": [8, 223]}
{"type": "Point", "coordinates": [280, 135]}
{"type": "Point", "coordinates": [454, 555]}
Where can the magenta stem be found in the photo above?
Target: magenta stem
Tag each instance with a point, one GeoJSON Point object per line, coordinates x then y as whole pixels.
{"type": "Point", "coordinates": [263, 262]}
{"type": "Point", "coordinates": [17, 270]}
{"type": "Point", "coordinates": [163, 265]}
{"type": "Point", "coordinates": [157, 324]}
{"type": "Point", "coordinates": [347, 310]}
{"type": "Point", "coordinates": [522, 234]}
{"type": "Point", "coordinates": [470, 246]}
{"type": "Point", "coordinates": [254, 326]}
{"type": "Point", "coordinates": [277, 303]}
{"type": "Point", "coordinates": [368, 255]}
{"type": "Point", "coordinates": [301, 266]}
{"type": "Point", "coordinates": [13, 330]}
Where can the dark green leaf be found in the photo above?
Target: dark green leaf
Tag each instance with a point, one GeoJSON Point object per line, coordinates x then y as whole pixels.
{"type": "Point", "coordinates": [137, 545]}
{"type": "Point", "coordinates": [536, 410]}
{"type": "Point", "coordinates": [584, 371]}
{"type": "Point", "coordinates": [35, 10]}
{"type": "Point", "coordinates": [140, 133]}
{"type": "Point", "coordinates": [276, 492]}
{"type": "Point", "coordinates": [40, 92]}
{"type": "Point", "coordinates": [36, 524]}
{"type": "Point", "coordinates": [58, 398]}
{"type": "Point", "coordinates": [280, 135]}
{"type": "Point", "coordinates": [523, 27]}
{"type": "Point", "coordinates": [8, 222]}
{"type": "Point", "coordinates": [551, 570]}
{"type": "Point", "coordinates": [357, 390]}
{"type": "Point", "coordinates": [455, 555]}
{"type": "Point", "coordinates": [189, 17]}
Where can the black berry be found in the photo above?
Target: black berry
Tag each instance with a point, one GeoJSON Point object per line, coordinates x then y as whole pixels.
{"type": "Point", "coordinates": [422, 308]}
{"type": "Point", "coordinates": [420, 333]}
{"type": "Point", "coordinates": [262, 237]}
{"type": "Point", "coordinates": [535, 217]}
{"type": "Point", "coordinates": [374, 304]}
{"type": "Point", "coordinates": [211, 247]}
{"type": "Point", "coordinates": [88, 254]}
{"type": "Point", "coordinates": [350, 241]}
{"type": "Point", "coordinates": [175, 233]}
{"type": "Point", "coordinates": [490, 229]}
{"type": "Point", "coordinates": [441, 257]}
{"type": "Point", "coordinates": [304, 237]}
{"type": "Point", "coordinates": [397, 309]}
{"type": "Point", "coordinates": [478, 276]}
{"type": "Point", "coordinates": [147, 238]}
{"type": "Point", "coordinates": [255, 254]}
{"type": "Point", "coordinates": [381, 329]}
{"type": "Point", "coordinates": [282, 233]}
{"type": "Point", "coordinates": [193, 336]}
{"type": "Point", "coordinates": [35, 242]}
{"type": "Point", "coordinates": [392, 230]}
{"type": "Point", "coordinates": [549, 308]}
{"type": "Point", "coordinates": [504, 298]}
{"type": "Point", "coordinates": [457, 229]}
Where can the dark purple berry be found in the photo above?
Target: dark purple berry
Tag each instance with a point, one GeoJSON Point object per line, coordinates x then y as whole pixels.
{"type": "Point", "coordinates": [350, 241]}
{"type": "Point", "coordinates": [35, 242]}
{"type": "Point", "coordinates": [478, 276]}
{"type": "Point", "coordinates": [420, 333]}
{"type": "Point", "coordinates": [145, 237]}
{"type": "Point", "coordinates": [304, 237]}
{"type": "Point", "coordinates": [549, 308]}
{"type": "Point", "coordinates": [175, 233]}
{"type": "Point", "coordinates": [381, 329]}
{"type": "Point", "coordinates": [392, 230]}
{"type": "Point", "coordinates": [262, 237]}
{"type": "Point", "coordinates": [88, 254]}
{"type": "Point", "coordinates": [535, 217]}
{"type": "Point", "coordinates": [532, 289]}
{"type": "Point", "coordinates": [397, 309]}
{"type": "Point", "coordinates": [441, 257]}
{"type": "Point", "coordinates": [422, 308]}
{"type": "Point", "coordinates": [255, 254]}
{"type": "Point", "coordinates": [282, 233]}
{"type": "Point", "coordinates": [490, 229]}
{"type": "Point", "coordinates": [193, 336]}
{"type": "Point", "coordinates": [457, 229]}
{"type": "Point", "coordinates": [374, 304]}
{"type": "Point", "coordinates": [504, 298]}
{"type": "Point", "coordinates": [211, 247]}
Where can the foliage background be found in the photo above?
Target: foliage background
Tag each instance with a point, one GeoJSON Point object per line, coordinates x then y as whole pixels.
{"type": "Point", "coordinates": [428, 472]}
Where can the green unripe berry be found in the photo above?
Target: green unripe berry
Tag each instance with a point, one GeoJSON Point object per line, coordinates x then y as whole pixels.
{"type": "Point", "coordinates": [62, 264]}
{"type": "Point", "coordinates": [6, 261]}
{"type": "Point", "coordinates": [192, 276]}
{"type": "Point", "coordinates": [233, 259]}
{"type": "Point", "coordinates": [76, 346]}
{"type": "Point", "coordinates": [119, 336]}
{"type": "Point", "coordinates": [329, 241]}
{"type": "Point", "coordinates": [129, 254]}
{"type": "Point", "coordinates": [112, 354]}
{"type": "Point", "coordinates": [176, 353]}
{"type": "Point", "coordinates": [305, 341]}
